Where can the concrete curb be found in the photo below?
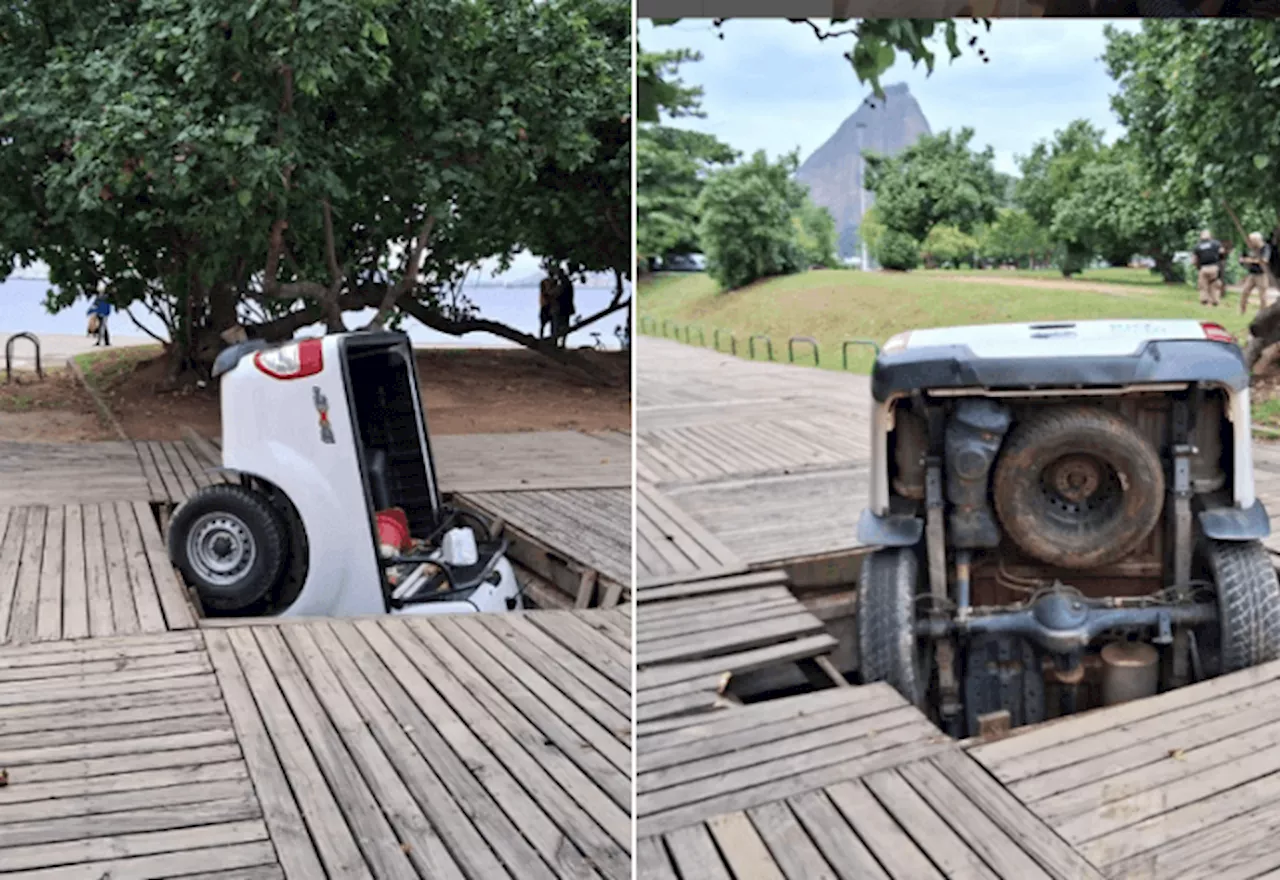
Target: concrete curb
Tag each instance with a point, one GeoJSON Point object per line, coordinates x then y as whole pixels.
{"type": "Point", "coordinates": [105, 411]}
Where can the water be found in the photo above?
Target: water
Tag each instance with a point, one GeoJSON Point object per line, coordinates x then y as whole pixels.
{"type": "Point", "coordinates": [22, 308]}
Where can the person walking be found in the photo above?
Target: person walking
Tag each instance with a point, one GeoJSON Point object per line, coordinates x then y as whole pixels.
{"type": "Point", "coordinates": [1208, 257]}
{"type": "Point", "coordinates": [1256, 260]}
{"type": "Point", "coordinates": [100, 310]}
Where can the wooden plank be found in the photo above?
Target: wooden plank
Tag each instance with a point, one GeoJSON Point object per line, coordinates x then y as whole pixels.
{"type": "Point", "coordinates": [652, 861]}
{"type": "Point", "coordinates": [158, 818]}
{"type": "Point", "coordinates": [694, 853]}
{"type": "Point", "coordinates": [111, 783]}
{"type": "Point", "coordinates": [178, 613]}
{"type": "Point", "coordinates": [358, 773]}
{"type": "Point", "coordinates": [605, 656]}
{"type": "Point", "coordinates": [748, 787]}
{"type": "Point", "coordinates": [454, 747]}
{"type": "Point", "coordinates": [746, 661]}
{"type": "Point", "coordinates": [585, 812]}
{"type": "Point", "coordinates": [155, 485]}
{"type": "Point", "coordinates": [75, 590]}
{"type": "Point", "coordinates": [101, 849]}
{"type": "Point", "coordinates": [101, 616]}
{"type": "Point", "coordinates": [143, 586]}
{"type": "Point", "coordinates": [186, 485]}
{"type": "Point", "coordinates": [49, 604]}
{"type": "Point", "coordinates": [601, 698]}
{"type": "Point", "coordinates": [174, 489]}
{"type": "Point", "coordinates": [891, 846]}
{"type": "Point", "coordinates": [104, 648]}
{"type": "Point", "coordinates": [14, 522]}
{"type": "Point", "coordinates": [795, 852]}
{"type": "Point", "coordinates": [191, 863]}
{"type": "Point", "coordinates": [170, 796]}
{"type": "Point", "coordinates": [1053, 855]}
{"type": "Point", "coordinates": [332, 839]}
{"type": "Point", "coordinates": [462, 829]}
{"type": "Point", "coordinates": [198, 442]}
{"type": "Point", "coordinates": [85, 767]}
{"type": "Point", "coordinates": [703, 586]}
{"type": "Point", "coordinates": [124, 613]}
{"type": "Point", "coordinates": [730, 639]}
{"type": "Point", "coordinates": [843, 849]}
{"type": "Point", "coordinates": [22, 623]}
{"type": "Point", "coordinates": [748, 857]}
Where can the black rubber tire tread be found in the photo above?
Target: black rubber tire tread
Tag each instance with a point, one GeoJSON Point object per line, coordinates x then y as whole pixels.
{"type": "Point", "coordinates": [269, 534]}
{"type": "Point", "coordinates": [1045, 437]}
{"type": "Point", "coordinates": [1248, 603]}
{"type": "Point", "coordinates": [886, 615]}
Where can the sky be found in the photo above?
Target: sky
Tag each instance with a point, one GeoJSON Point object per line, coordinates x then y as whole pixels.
{"type": "Point", "coordinates": [771, 85]}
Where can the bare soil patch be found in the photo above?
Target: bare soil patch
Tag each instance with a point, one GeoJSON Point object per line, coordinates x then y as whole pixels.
{"type": "Point", "coordinates": [55, 410]}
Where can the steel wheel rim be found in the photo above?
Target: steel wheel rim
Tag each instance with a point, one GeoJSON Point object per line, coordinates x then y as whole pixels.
{"type": "Point", "coordinates": [221, 548]}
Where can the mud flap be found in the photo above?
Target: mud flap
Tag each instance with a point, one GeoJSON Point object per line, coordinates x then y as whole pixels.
{"type": "Point", "coordinates": [1002, 673]}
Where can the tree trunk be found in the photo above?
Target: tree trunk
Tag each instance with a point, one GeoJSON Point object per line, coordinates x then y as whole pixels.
{"type": "Point", "coordinates": [1167, 268]}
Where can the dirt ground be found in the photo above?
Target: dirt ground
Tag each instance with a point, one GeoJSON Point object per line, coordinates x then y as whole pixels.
{"type": "Point", "coordinates": [466, 391]}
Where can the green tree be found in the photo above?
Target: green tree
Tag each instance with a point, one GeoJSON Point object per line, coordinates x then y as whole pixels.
{"type": "Point", "coordinates": [947, 246]}
{"type": "Point", "coordinates": [816, 234]}
{"type": "Point", "coordinates": [1050, 174]}
{"type": "Point", "coordinates": [938, 179]}
{"type": "Point", "coordinates": [1015, 238]}
{"type": "Point", "coordinates": [746, 226]}
{"type": "Point", "coordinates": [672, 164]}
{"type": "Point", "coordinates": [871, 230]}
{"type": "Point", "coordinates": [272, 165]}
{"type": "Point", "coordinates": [896, 249]}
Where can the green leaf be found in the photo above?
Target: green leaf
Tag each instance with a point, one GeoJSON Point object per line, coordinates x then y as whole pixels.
{"type": "Point", "coordinates": [379, 34]}
{"type": "Point", "coordinates": [1261, 161]}
{"type": "Point", "coordinates": [244, 197]}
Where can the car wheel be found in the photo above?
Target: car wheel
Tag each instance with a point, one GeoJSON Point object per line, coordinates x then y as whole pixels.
{"type": "Point", "coordinates": [230, 544]}
{"type": "Point", "coordinates": [1248, 593]}
{"type": "Point", "coordinates": [888, 649]}
{"type": "Point", "coordinates": [1078, 487]}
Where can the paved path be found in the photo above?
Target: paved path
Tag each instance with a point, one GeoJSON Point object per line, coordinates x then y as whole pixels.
{"type": "Point", "coordinates": [56, 348]}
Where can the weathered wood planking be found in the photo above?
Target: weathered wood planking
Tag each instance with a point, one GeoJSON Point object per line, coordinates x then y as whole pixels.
{"type": "Point", "coordinates": [474, 746]}
{"type": "Point", "coordinates": [770, 459]}
{"type": "Point", "coordinates": [694, 636]}
{"type": "Point", "coordinates": [935, 817]}
{"type": "Point", "coordinates": [122, 761]}
{"type": "Point", "coordinates": [86, 570]}
{"type": "Point", "coordinates": [591, 527]}
{"type": "Point", "coordinates": [749, 756]}
{"type": "Point", "coordinates": [671, 545]}
{"type": "Point", "coordinates": [1185, 784]}
{"type": "Point", "coordinates": [70, 473]}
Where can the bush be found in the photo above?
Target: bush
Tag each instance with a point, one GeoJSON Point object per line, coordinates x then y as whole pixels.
{"type": "Point", "coordinates": [1071, 259]}
{"type": "Point", "coordinates": [897, 250]}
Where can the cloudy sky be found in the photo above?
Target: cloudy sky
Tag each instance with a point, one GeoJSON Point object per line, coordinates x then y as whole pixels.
{"type": "Point", "coordinates": [771, 85]}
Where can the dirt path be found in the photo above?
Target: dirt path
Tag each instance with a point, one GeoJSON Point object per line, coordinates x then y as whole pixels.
{"type": "Point", "coordinates": [1129, 291]}
{"type": "Point", "coordinates": [466, 391]}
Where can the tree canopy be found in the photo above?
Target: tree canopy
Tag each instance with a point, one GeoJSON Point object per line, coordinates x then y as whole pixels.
{"type": "Point", "coordinates": [277, 163]}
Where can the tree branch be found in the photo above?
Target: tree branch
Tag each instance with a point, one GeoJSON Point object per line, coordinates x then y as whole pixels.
{"type": "Point", "coordinates": [572, 361]}
{"type": "Point", "coordinates": [142, 328]}
{"type": "Point", "coordinates": [410, 277]}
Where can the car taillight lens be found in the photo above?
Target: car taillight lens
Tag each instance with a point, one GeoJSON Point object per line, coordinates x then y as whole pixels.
{"type": "Point", "coordinates": [1216, 332]}
{"type": "Point", "coordinates": [896, 343]}
{"type": "Point", "coordinates": [296, 360]}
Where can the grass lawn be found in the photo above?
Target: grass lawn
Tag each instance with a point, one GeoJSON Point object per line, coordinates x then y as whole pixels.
{"type": "Point", "coordinates": [834, 305]}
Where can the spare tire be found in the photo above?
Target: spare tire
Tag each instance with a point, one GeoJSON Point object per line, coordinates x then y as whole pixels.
{"type": "Point", "coordinates": [1078, 487]}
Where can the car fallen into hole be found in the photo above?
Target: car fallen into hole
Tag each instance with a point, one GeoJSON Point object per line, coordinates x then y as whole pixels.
{"type": "Point", "coordinates": [1065, 516]}
{"type": "Point", "coordinates": [334, 508]}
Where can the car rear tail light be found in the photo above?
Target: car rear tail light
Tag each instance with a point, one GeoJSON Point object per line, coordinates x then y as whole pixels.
{"type": "Point", "coordinates": [297, 360]}
{"type": "Point", "coordinates": [1216, 332]}
{"type": "Point", "coordinates": [896, 343]}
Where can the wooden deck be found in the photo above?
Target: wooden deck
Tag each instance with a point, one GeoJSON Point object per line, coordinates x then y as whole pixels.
{"type": "Point", "coordinates": [78, 571]}
{"type": "Point", "coordinates": [694, 636]}
{"type": "Point", "coordinates": [843, 783]}
{"type": "Point", "coordinates": [1185, 784]}
{"type": "Point", "coordinates": [744, 465]}
{"type": "Point", "coordinates": [469, 747]}
{"type": "Point", "coordinates": [578, 540]}
{"type": "Point", "coordinates": [70, 473]}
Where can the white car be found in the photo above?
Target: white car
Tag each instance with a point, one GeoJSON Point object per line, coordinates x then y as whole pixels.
{"type": "Point", "coordinates": [323, 435]}
{"type": "Point", "coordinates": [1065, 516]}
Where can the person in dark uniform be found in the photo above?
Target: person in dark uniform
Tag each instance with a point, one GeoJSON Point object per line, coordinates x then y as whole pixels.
{"type": "Point", "coordinates": [1208, 258]}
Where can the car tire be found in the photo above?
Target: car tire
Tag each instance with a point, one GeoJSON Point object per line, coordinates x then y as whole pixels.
{"type": "Point", "coordinates": [1248, 603]}
{"type": "Point", "coordinates": [1078, 487]}
{"type": "Point", "coordinates": [886, 614]}
{"type": "Point", "coordinates": [230, 544]}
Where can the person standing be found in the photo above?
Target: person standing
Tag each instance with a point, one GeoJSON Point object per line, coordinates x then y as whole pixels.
{"type": "Point", "coordinates": [1208, 257]}
{"type": "Point", "coordinates": [101, 309]}
{"type": "Point", "coordinates": [1256, 260]}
